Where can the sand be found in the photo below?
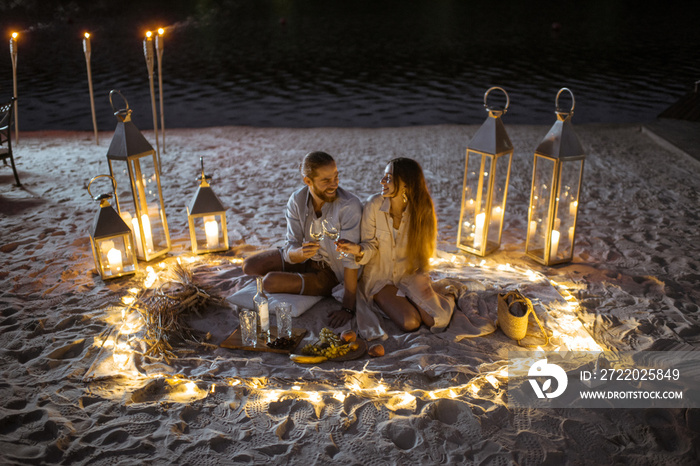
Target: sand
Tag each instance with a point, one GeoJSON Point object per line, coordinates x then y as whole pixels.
{"type": "Point", "coordinates": [68, 397]}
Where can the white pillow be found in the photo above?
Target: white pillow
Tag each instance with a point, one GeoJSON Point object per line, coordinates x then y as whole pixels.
{"type": "Point", "coordinates": [300, 303]}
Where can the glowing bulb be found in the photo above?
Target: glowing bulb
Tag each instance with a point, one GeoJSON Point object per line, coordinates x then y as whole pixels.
{"type": "Point", "coordinates": [190, 388]}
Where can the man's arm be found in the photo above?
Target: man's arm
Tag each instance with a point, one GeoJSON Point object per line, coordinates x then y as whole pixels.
{"type": "Point", "coordinates": [295, 250]}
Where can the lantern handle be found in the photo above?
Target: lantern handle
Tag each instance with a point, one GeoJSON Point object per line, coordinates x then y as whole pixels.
{"type": "Point", "coordinates": [573, 100]}
{"type": "Point", "coordinates": [102, 196]}
{"type": "Point", "coordinates": [486, 95]}
{"type": "Point", "coordinates": [113, 91]}
{"type": "Point", "coordinates": [204, 179]}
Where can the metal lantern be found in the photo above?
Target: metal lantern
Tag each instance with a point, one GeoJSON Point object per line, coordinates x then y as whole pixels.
{"type": "Point", "coordinates": [556, 186]}
{"type": "Point", "coordinates": [207, 218]}
{"type": "Point", "coordinates": [485, 188]}
{"type": "Point", "coordinates": [133, 163]}
{"type": "Point", "coordinates": [111, 239]}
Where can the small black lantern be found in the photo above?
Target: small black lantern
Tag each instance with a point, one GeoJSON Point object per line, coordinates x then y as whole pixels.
{"type": "Point", "coordinates": [111, 238]}
{"type": "Point", "coordinates": [207, 219]}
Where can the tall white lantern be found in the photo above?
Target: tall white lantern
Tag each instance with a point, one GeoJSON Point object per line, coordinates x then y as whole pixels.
{"type": "Point", "coordinates": [134, 166]}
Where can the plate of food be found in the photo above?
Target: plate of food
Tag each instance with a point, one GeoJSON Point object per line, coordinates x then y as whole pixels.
{"type": "Point", "coordinates": [331, 347]}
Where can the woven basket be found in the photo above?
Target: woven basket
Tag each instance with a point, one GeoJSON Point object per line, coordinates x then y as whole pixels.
{"type": "Point", "coordinates": [514, 311]}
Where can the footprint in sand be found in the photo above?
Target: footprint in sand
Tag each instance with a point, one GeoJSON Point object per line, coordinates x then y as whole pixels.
{"type": "Point", "coordinates": [662, 424]}
{"type": "Point", "coordinates": [402, 435]}
{"type": "Point", "coordinates": [69, 351]}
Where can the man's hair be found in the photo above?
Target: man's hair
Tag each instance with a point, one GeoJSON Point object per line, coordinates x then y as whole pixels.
{"type": "Point", "coordinates": [313, 161]}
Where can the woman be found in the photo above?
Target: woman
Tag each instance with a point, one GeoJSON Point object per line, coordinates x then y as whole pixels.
{"type": "Point", "coordinates": [399, 236]}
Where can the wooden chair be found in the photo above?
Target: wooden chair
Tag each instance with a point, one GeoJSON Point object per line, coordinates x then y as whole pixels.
{"type": "Point", "coordinates": [6, 122]}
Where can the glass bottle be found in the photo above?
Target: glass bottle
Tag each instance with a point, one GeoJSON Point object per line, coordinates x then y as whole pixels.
{"type": "Point", "coordinates": [262, 308]}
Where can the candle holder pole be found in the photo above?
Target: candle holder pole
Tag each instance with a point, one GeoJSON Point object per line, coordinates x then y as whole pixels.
{"type": "Point", "coordinates": [13, 55]}
{"type": "Point", "coordinates": [87, 48]}
{"type": "Point", "coordinates": [148, 54]}
{"type": "Point", "coordinates": [160, 46]}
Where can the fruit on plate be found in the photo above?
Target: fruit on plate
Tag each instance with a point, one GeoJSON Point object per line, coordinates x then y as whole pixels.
{"type": "Point", "coordinates": [348, 336]}
{"type": "Point", "coordinates": [376, 350]}
{"type": "Point", "coordinates": [303, 359]}
{"type": "Point", "coordinates": [328, 346]}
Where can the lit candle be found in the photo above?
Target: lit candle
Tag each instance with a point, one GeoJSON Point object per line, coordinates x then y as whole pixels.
{"type": "Point", "coordinates": [533, 228]}
{"type": "Point", "coordinates": [137, 235]}
{"type": "Point", "coordinates": [211, 228]}
{"type": "Point", "coordinates": [571, 235]}
{"type": "Point", "coordinates": [497, 215]}
{"type": "Point", "coordinates": [114, 257]}
{"type": "Point", "coordinates": [572, 208]}
{"type": "Point", "coordinates": [479, 231]}
{"type": "Point", "coordinates": [555, 244]}
{"type": "Point", "coordinates": [147, 232]}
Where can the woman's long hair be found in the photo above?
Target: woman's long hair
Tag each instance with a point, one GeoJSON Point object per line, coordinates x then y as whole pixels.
{"type": "Point", "coordinates": [422, 227]}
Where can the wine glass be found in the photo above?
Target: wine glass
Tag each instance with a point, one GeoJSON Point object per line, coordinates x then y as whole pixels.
{"type": "Point", "coordinates": [316, 233]}
{"type": "Point", "coordinates": [330, 231]}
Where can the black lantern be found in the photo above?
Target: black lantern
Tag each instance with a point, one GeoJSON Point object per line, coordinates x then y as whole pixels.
{"type": "Point", "coordinates": [485, 187]}
{"type": "Point", "coordinates": [133, 164]}
{"type": "Point", "coordinates": [111, 239]}
{"type": "Point", "coordinates": [207, 219]}
{"type": "Point", "coordinates": [556, 185]}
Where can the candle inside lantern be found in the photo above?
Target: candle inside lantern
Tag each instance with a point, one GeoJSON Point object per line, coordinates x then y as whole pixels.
{"type": "Point", "coordinates": [572, 208]}
{"type": "Point", "coordinates": [479, 231]}
{"type": "Point", "coordinates": [555, 244]}
{"type": "Point", "coordinates": [135, 229]}
{"type": "Point", "coordinates": [114, 258]}
{"type": "Point", "coordinates": [497, 215]}
{"type": "Point", "coordinates": [571, 235]}
{"type": "Point", "coordinates": [146, 223]}
{"type": "Point", "coordinates": [147, 232]}
{"type": "Point", "coordinates": [211, 228]}
{"type": "Point", "coordinates": [533, 228]}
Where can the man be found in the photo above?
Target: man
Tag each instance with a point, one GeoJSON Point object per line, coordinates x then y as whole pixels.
{"type": "Point", "coordinates": [293, 268]}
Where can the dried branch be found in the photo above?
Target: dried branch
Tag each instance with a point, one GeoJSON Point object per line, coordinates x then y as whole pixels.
{"type": "Point", "coordinates": [164, 311]}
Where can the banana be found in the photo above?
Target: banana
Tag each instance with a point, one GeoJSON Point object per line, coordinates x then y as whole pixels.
{"type": "Point", "coordinates": [302, 359]}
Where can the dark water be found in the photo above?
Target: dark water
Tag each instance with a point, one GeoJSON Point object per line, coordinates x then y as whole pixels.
{"type": "Point", "coordinates": [353, 63]}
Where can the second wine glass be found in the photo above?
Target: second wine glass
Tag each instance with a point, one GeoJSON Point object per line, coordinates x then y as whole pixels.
{"type": "Point", "coordinates": [331, 231]}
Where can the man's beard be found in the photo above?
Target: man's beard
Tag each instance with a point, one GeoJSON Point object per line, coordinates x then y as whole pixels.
{"type": "Point", "coordinates": [325, 197]}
